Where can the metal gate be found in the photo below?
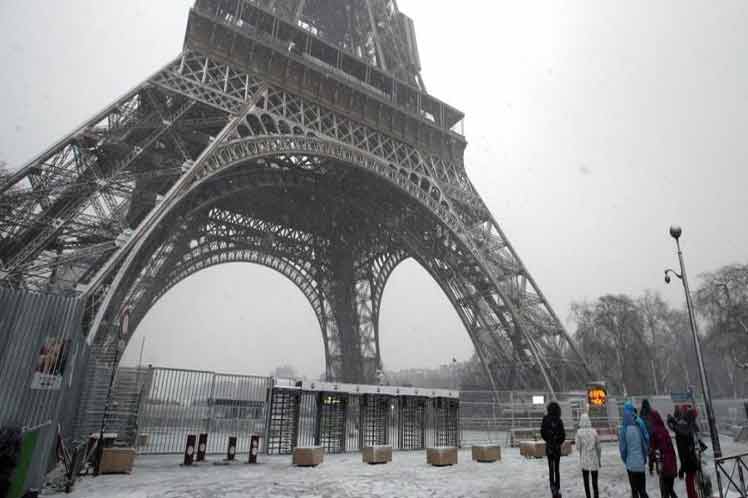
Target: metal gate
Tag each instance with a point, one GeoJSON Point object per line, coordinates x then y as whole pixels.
{"type": "Point", "coordinates": [375, 420]}
{"type": "Point", "coordinates": [447, 422]}
{"type": "Point", "coordinates": [412, 427]}
{"type": "Point", "coordinates": [283, 421]}
{"type": "Point", "coordinates": [331, 422]}
{"type": "Point", "coordinates": [345, 417]}
{"type": "Point", "coordinates": [178, 402]}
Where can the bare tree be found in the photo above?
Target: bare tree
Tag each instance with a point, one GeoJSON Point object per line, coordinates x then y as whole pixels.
{"type": "Point", "coordinates": [610, 332]}
{"type": "Point", "coordinates": [666, 331]}
{"type": "Point", "coordinates": [722, 301]}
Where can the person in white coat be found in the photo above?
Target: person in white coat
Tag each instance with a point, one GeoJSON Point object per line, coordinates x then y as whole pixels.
{"type": "Point", "coordinates": [588, 444]}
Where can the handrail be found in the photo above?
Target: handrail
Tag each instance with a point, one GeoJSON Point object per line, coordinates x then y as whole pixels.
{"type": "Point", "coordinates": [739, 465]}
{"type": "Point", "coordinates": [730, 457]}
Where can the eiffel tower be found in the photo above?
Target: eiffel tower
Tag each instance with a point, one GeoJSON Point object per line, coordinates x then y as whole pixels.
{"type": "Point", "coordinates": [294, 134]}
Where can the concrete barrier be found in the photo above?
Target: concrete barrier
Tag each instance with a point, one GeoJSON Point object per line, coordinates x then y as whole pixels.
{"type": "Point", "coordinates": [308, 456]}
{"type": "Point", "coordinates": [486, 453]}
{"type": "Point", "coordinates": [536, 449]}
{"type": "Point", "coordinates": [532, 449]}
{"type": "Point", "coordinates": [117, 460]}
{"type": "Point", "coordinates": [440, 456]}
{"type": "Point", "coordinates": [376, 454]}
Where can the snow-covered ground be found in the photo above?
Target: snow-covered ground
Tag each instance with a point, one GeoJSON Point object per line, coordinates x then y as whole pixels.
{"type": "Point", "coordinates": [345, 475]}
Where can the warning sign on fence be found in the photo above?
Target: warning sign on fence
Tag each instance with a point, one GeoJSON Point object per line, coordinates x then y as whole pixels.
{"type": "Point", "coordinates": [50, 365]}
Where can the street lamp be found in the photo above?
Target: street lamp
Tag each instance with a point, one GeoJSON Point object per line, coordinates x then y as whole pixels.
{"type": "Point", "coordinates": [675, 232]}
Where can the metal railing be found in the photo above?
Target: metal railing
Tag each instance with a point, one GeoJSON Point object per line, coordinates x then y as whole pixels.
{"type": "Point", "coordinates": [734, 471]}
{"type": "Point", "coordinates": [177, 402]}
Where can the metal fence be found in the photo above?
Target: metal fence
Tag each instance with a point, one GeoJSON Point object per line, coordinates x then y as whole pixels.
{"type": "Point", "coordinates": [734, 471]}
{"type": "Point", "coordinates": [175, 403]}
{"type": "Point", "coordinates": [43, 354]}
{"type": "Point", "coordinates": [504, 416]}
{"type": "Point", "coordinates": [172, 403]}
{"type": "Point", "coordinates": [344, 417]}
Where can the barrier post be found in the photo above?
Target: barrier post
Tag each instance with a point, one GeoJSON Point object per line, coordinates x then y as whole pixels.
{"type": "Point", "coordinates": [254, 447]}
{"type": "Point", "coordinates": [231, 450]}
{"type": "Point", "coordinates": [202, 447]}
{"type": "Point", "coordinates": [189, 450]}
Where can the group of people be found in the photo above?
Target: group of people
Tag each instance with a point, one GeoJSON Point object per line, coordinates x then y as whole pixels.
{"type": "Point", "coordinates": [644, 442]}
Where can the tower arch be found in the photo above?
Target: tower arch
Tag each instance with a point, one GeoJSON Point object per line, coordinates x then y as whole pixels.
{"type": "Point", "coordinates": [343, 274]}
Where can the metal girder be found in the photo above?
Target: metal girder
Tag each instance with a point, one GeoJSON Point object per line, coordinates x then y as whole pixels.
{"type": "Point", "coordinates": [231, 153]}
{"type": "Point", "coordinates": [81, 189]}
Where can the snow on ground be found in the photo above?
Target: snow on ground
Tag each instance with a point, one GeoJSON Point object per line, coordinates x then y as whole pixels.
{"type": "Point", "coordinates": [345, 476]}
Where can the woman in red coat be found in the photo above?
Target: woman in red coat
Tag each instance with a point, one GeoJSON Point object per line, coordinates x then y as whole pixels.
{"type": "Point", "coordinates": [667, 464]}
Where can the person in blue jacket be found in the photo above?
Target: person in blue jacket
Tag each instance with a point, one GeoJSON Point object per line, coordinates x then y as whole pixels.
{"type": "Point", "coordinates": [633, 443]}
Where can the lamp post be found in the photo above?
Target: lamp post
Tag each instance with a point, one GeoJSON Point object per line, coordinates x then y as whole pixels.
{"type": "Point", "coordinates": [675, 232]}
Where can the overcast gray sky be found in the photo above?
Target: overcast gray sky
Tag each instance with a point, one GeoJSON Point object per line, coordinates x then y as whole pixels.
{"type": "Point", "coordinates": [592, 126]}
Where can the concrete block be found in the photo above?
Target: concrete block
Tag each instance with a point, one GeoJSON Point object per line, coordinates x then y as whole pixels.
{"type": "Point", "coordinates": [308, 456]}
{"type": "Point", "coordinates": [486, 452]}
{"type": "Point", "coordinates": [536, 449]}
{"type": "Point", "coordinates": [376, 454]}
{"type": "Point", "coordinates": [443, 455]}
{"type": "Point", "coordinates": [117, 460]}
{"type": "Point", "coordinates": [532, 449]}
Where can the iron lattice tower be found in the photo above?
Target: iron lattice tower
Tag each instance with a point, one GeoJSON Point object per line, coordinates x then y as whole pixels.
{"type": "Point", "coordinates": [295, 134]}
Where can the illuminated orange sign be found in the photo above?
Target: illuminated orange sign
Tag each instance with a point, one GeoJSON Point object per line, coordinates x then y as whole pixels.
{"type": "Point", "coordinates": [596, 396]}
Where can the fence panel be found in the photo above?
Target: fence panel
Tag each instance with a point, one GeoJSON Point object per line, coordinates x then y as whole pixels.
{"type": "Point", "coordinates": [178, 402]}
{"type": "Point", "coordinates": [42, 359]}
{"type": "Point", "coordinates": [237, 408]}
{"type": "Point", "coordinates": [307, 419]}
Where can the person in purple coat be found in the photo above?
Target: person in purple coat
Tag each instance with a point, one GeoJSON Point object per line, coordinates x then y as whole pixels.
{"type": "Point", "coordinates": [663, 452]}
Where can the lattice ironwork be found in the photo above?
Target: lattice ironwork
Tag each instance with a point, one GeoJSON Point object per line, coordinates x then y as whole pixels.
{"type": "Point", "coordinates": [300, 136]}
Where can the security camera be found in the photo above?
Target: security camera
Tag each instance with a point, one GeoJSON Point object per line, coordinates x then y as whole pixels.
{"type": "Point", "coordinates": [667, 278]}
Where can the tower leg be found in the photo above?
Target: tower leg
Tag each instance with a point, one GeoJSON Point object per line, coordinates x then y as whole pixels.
{"type": "Point", "coordinates": [343, 291]}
